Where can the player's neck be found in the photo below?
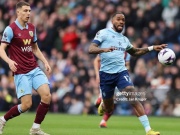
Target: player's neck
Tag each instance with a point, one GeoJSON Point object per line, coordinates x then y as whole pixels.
{"type": "Point", "coordinates": [22, 23]}
{"type": "Point", "coordinates": [116, 30]}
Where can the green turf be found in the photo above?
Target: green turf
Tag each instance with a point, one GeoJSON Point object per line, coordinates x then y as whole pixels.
{"type": "Point", "coordinates": [59, 124]}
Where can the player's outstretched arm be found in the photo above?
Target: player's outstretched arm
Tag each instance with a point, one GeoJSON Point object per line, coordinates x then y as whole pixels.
{"type": "Point", "coordinates": [37, 52]}
{"type": "Point", "coordinates": [94, 49]}
{"type": "Point", "coordinates": [141, 51]}
{"type": "Point", "coordinates": [12, 64]}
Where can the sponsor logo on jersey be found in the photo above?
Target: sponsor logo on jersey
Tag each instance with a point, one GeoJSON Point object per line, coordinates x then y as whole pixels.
{"type": "Point", "coordinates": [27, 41]}
{"type": "Point", "coordinates": [119, 48]}
{"type": "Point", "coordinates": [26, 49]}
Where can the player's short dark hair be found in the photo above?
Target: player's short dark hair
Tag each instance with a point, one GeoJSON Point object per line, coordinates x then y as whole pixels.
{"type": "Point", "coordinates": [22, 3]}
{"type": "Point", "coordinates": [116, 14]}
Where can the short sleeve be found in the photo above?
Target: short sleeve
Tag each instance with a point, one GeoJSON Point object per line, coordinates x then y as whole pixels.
{"type": "Point", "coordinates": [7, 35]}
{"type": "Point", "coordinates": [129, 46]}
{"type": "Point", "coordinates": [99, 38]}
{"type": "Point", "coordinates": [35, 36]}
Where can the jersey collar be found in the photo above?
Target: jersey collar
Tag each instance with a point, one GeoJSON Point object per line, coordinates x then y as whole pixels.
{"type": "Point", "coordinates": [19, 25]}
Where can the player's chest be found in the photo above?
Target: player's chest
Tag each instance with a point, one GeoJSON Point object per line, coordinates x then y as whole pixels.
{"type": "Point", "coordinates": [24, 37]}
{"type": "Point", "coordinates": [117, 41]}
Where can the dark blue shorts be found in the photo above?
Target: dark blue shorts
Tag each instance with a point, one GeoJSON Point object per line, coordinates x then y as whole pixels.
{"type": "Point", "coordinates": [108, 82]}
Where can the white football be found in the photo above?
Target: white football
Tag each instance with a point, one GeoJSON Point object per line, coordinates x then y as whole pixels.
{"type": "Point", "coordinates": [166, 56]}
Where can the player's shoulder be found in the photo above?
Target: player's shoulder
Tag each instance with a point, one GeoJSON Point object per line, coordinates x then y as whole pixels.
{"type": "Point", "coordinates": [9, 29]}
{"type": "Point", "coordinates": [31, 25]}
{"type": "Point", "coordinates": [102, 31]}
{"type": "Point", "coordinates": [12, 25]}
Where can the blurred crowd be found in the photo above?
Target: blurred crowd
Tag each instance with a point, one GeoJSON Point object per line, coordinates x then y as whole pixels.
{"type": "Point", "coordinates": [65, 29]}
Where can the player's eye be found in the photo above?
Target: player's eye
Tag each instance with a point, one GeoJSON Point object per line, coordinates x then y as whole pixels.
{"type": "Point", "coordinates": [118, 19]}
{"type": "Point", "coordinates": [27, 10]}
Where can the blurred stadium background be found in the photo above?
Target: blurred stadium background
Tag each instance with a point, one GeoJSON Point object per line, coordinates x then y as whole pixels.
{"type": "Point", "coordinates": [65, 29]}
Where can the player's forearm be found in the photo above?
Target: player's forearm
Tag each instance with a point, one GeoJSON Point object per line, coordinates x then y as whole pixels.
{"type": "Point", "coordinates": [39, 55]}
{"type": "Point", "coordinates": [138, 51]}
{"type": "Point", "coordinates": [95, 49]}
{"type": "Point", "coordinates": [96, 66]}
{"type": "Point", "coordinates": [3, 55]}
{"type": "Point", "coordinates": [96, 72]}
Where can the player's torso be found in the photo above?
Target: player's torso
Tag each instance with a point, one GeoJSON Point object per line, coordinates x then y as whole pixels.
{"type": "Point", "coordinates": [117, 41]}
{"type": "Point", "coordinates": [20, 48]}
{"type": "Point", "coordinates": [113, 60]}
{"type": "Point", "coordinates": [22, 39]}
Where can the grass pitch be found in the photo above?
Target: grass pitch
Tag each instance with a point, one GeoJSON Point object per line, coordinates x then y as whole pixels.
{"type": "Point", "coordinates": [61, 124]}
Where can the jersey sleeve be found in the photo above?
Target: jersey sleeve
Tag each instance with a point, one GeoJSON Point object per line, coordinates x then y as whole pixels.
{"type": "Point", "coordinates": [129, 46]}
{"type": "Point", "coordinates": [7, 35]}
{"type": "Point", "coordinates": [99, 38]}
{"type": "Point", "coordinates": [35, 36]}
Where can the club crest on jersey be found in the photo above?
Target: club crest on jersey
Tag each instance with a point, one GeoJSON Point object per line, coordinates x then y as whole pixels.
{"type": "Point", "coordinates": [31, 33]}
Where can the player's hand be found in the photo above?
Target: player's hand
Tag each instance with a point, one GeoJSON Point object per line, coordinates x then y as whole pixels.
{"type": "Point", "coordinates": [47, 67]}
{"type": "Point", "coordinates": [12, 65]}
{"type": "Point", "coordinates": [109, 49]}
{"type": "Point", "coordinates": [159, 47]}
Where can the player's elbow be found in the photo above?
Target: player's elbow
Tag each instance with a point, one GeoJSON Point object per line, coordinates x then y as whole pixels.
{"type": "Point", "coordinates": [90, 50]}
{"type": "Point", "coordinates": [93, 49]}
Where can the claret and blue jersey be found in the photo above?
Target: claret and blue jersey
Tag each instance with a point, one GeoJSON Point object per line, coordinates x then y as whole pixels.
{"type": "Point", "coordinates": [20, 41]}
{"type": "Point", "coordinates": [112, 62]}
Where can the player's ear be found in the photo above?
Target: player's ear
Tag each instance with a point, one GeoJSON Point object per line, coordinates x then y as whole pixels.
{"type": "Point", "coordinates": [112, 20]}
{"type": "Point", "coordinates": [17, 11]}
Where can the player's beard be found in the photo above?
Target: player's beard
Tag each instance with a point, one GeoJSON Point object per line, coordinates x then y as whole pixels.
{"type": "Point", "coordinates": [116, 29]}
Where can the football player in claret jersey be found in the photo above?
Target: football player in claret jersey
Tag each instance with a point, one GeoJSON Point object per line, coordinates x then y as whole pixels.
{"type": "Point", "coordinates": [21, 41]}
{"type": "Point", "coordinates": [111, 44]}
